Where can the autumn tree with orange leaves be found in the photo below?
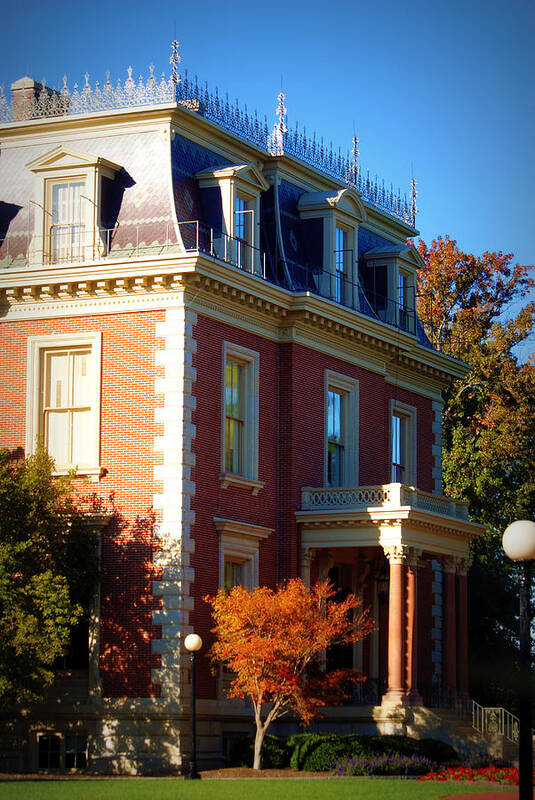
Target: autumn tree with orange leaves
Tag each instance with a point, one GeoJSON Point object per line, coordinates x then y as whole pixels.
{"type": "Point", "coordinates": [274, 642]}
{"type": "Point", "coordinates": [476, 308]}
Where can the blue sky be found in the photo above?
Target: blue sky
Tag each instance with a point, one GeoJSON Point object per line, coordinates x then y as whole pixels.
{"type": "Point", "coordinates": [441, 88]}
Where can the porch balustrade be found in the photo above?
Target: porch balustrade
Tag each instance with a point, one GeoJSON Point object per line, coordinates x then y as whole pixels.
{"type": "Point", "coordinates": [390, 495]}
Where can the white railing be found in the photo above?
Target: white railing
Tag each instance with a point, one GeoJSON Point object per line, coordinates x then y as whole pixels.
{"type": "Point", "coordinates": [390, 495]}
{"type": "Point", "coordinates": [495, 721]}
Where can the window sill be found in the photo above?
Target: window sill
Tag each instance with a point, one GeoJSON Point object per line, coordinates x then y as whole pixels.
{"type": "Point", "coordinates": [227, 479]}
{"type": "Point", "coordinates": [93, 474]}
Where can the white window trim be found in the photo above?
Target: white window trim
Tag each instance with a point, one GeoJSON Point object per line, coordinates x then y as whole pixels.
{"type": "Point", "coordinates": [241, 541]}
{"type": "Point", "coordinates": [58, 166]}
{"type": "Point", "coordinates": [409, 413]}
{"type": "Point", "coordinates": [349, 387]}
{"type": "Point", "coordinates": [37, 344]}
{"type": "Point", "coordinates": [248, 479]}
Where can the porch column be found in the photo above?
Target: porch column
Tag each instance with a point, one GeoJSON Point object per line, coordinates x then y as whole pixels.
{"type": "Point", "coordinates": [307, 556]}
{"type": "Point", "coordinates": [462, 628]}
{"type": "Point", "coordinates": [412, 625]}
{"type": "Point", "coordinates": [450, 627]}
{"type": "Point", "coordinates": [396, 693]}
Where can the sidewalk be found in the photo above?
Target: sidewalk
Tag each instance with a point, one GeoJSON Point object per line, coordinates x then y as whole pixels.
{"type": "Point", "coordinates": [512, 795]}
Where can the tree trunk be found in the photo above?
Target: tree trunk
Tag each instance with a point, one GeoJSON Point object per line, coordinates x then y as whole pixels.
{"type": "Point", "coordinates": [258, 742]}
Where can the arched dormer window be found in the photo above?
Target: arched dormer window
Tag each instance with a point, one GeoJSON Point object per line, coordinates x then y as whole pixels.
{"type": "Point", "coordinates": [341, 212]}
{"type": "Point", "coordinates": [389, 276]}
{"type": "Point", "coordinates": [238, 241]}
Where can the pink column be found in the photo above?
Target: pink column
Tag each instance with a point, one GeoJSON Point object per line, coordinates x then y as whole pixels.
{"type": "Point", "coordinates": [396, 625]}
{"type": "Point", "coordinates": [412, 627]}
{"type": "Point", "coordinates": [450, 627]}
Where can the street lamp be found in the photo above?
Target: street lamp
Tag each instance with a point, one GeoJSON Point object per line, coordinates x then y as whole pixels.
{"type": "Point", "coordinates": [519, 544]}
{"type": "Point", "coordinates": [193, 643]}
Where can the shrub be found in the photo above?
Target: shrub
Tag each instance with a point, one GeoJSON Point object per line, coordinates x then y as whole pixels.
{"type": "Point", "coordinates": [385, 764]}
{"type": "Point", "coordinates": [321, 751]}
{"type": "Point", "coordinates": [275, 752]}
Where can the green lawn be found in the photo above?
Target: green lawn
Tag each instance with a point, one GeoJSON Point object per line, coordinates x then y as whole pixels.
{"type": "Point", "coordinates": [296, 789]}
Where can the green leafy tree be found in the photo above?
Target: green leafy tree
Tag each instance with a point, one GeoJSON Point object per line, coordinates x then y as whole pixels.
{"type": "Point", "coordinates": [464, 303]}
{"type": "Point", "coordinates": [48, 573]}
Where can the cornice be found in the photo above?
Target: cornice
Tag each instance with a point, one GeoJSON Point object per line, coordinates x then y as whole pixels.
{"type": "Point", "coordinates": [402, 516]}
{"type": "Point", "coordinates": [309, 319]}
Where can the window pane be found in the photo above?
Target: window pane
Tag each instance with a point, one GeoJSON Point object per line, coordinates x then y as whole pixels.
{"type": "Point", "coordinates": [398, 448]}
{"type": "Point", "coordinates": [233, 433]}
{"type": "Point", "coordinates": [335, 457]}
{"type": "Point", "coordinates": [60, 203]}
{"type": "Point", "coordinates": [57, 436]}
{"type": "Point", "coordinates": [49, 751]}
{"type": "Point", "coordinates": [335, 421]}
{"type": "Point", "coordinates": [57, 380]}
{"type": "Point", "coordinates": [234, 574]}
{"type": "Point", "coordinates": [81, 370]}
{"type": "Point", "coordinates": [75, 197]}
{"type": "Point", "coordinates": [82, 439]}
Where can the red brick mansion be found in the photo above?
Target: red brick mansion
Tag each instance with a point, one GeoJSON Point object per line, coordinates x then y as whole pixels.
{"type": "Point", "coordinates": [213, 320]}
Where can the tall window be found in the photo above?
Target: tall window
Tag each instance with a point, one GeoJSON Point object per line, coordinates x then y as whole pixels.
{"type": "Point", "coordinates": [234, 417]}
{"type": "Point", "coordinates": [63, 399]}
{"type": "Point", "coordinates": [341, 430]}
{"type": "Point", "coordinates": [67, 390]}
{"type": "Point", "coordinates": [335, 438]}
{"type": "Point", "coordinates": [341, 259]}
{"type": "Point", "coordinates": [66, 228]}
{"type": "Point", "coordinates": [243, 219]}
{"type": "Point", "coordinates": [403, 443]}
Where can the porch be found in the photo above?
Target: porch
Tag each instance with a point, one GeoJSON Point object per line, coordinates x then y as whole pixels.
{"type": "Point", "coordinates": [405, 552]}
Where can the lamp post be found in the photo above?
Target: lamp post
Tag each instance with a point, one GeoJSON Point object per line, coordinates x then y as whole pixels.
{"type": "Point", "coordinates": [519, 544]}
{"type": "Point", "coordinates": [193, 643]}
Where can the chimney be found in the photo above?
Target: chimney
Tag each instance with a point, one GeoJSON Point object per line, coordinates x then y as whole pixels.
{"type": "Point", "coordinates": [26, 94]}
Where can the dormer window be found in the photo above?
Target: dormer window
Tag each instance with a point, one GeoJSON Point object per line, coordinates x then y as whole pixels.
{"type": "Point", "coordinates": [389, 277]}
{"type": "Point", "coordinates": [341, 212]}
{"type": "Point", "coordinates": [237, 240]}
{"type": "Point", "coordinates": [67, 206]}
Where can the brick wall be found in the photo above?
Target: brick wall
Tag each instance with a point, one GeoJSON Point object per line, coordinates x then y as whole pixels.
{"type": "Point", "coordinates": [126, 442]}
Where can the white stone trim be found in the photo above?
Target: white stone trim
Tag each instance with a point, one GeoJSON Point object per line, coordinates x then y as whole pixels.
{"type": "Point", "coordinates": [437, 447]}
{"type": "Point", "coordinates": [349, 387]}
{"type": "Point", "coordinates": [174, 499]}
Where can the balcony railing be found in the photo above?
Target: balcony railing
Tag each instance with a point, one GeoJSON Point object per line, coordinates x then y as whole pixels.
{"type": "Point", "coordinates": [389, 495]}
{"type": "Point", "coordinates": [164, 239]}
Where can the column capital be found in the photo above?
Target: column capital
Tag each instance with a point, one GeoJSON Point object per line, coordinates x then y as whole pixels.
{"type": "Point", "coordinates": [449, 564]}
{"type": "Point", "coordinates": [463, 565]}
{"type": "Point", "coordinates": [398, 553]}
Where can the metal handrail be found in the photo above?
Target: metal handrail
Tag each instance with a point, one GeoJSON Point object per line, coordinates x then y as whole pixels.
{"type": "Point", "coordinates": [495, 720]}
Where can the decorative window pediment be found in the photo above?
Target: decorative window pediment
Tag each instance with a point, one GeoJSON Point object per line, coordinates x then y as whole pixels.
{"type": "Point", "coordinates": [67, 205]}
{"type": "Point", "coordinates": [62, 158]}
{"type": "Point", "coordinates": [345, 202]}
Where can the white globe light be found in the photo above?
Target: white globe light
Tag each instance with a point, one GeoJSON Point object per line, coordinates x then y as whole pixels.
{"type": "Point", "coordinates": [193, 642]}
{"type": "Point", "coordinates": [519, 540]}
